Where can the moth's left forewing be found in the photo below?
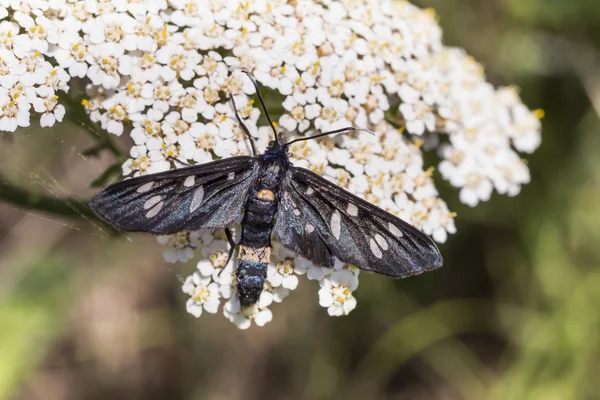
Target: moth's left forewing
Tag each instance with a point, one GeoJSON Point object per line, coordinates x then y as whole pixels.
{"type": "Point", "coordinates": [206, 196]}
{"type": "Point", "coordinates": [357, 232]}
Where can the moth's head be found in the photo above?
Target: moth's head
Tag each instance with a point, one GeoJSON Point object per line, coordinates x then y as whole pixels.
{"type": "Point", "coordinates": [277, 144]}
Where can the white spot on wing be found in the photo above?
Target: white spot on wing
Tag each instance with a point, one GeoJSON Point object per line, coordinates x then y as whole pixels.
{"type": "Point", "coordinates": [309, 228]}
{"type": "Point", "coordinates": [231, 176]}
{"type": "Point", "coordinates": [394, 230]}
{"type": "Point", "coordinates": [145, 187]}
{"type": "Point", "coordinates": [309, 191]}
{"type": "Point", "coordinates": [352, 210]}
{"type": "Point", "coordinates": [189, 181]}
{"type": "Point", "coordinates": [375, 249]}
{"type": "Point", "coordinates": [296, 212]}
{"type": "Point", "coordinates": [336, 224]}
{"type": "Point", "coordinates": [151, 202]}
{"type": "Point", "coordinates": [155, 210]}
{"type": "Point", "coordinates": [197, 200]}
{"type": "Point", "coordinates": [381, 241]}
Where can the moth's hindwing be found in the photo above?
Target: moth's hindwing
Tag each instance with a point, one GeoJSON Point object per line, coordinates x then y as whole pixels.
{"type": "Point", "coordinates": [319, 220]}
{"type": "Point", "coordinates": [206, 196]}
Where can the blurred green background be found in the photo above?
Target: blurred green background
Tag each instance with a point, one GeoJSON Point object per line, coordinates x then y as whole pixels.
{"type": "Point", "coordinates": [514, 313]}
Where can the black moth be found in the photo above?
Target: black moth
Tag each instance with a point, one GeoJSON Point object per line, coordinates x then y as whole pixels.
{"type": "Point", "coordinates": [307, 214]}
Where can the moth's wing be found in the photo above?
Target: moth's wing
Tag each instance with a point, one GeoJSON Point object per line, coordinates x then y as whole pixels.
{"type": "Point", "coordinates": [349, 228]}
{"type": "Point", "coordinates": [206, 196]}
{"type": "Point", "coordinates": [296, 227]}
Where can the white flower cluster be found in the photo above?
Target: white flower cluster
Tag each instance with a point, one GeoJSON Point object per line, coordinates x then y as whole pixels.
{"type": "Point", "coordinates": [164, 72]}
{"type": "Point", "coordinates": [214, 282]}
{"type": "Point", "coordinates": [483, 125]}
{"type": "Point", "coordinates": [27, 79]}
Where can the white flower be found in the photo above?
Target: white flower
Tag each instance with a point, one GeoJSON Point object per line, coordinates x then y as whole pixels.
{"type": "Point", "coordinates": [336, 292]}
{"type": "Point", "coordinates": [526, 136]}
{"type": "Point", "coordinates": [162, 95]}
{"type": "Point", "coordinates": [439, 223]}
{"type": "Point", "coordinates": [198, 141]}
{"type": "Point", "coordinates": [177, 62]}
{"type": "Point", "coordinates": [419, 117]}
{"type": "Point", "coordinates": [213, 264]}
{"type": "Point", "coordinates": [298, 116]}
{"type": "Point", "coordinates": [146, 159]}
{"type": "Point", "coordinates": [477, 188]}
{"type": "Point", "coordinates": [242, 318]}
{"type": "Point", "coordinates": [303, 266]}
{"type": "Point", "coordinates": [48, 106]}
{"type": "Point", "coordinates": [282, 274]}
{"type": "Point", "coordinates": [181, 246]}
{"type": "Point", "coordinates": [142, 36]}
{"type": "Point", "coordinates": [204, 294]}
{"type": "Point", "coordinates": [14, 109]}
{"type": "Point", "coordinates": [136, 100]}
{"type": "Point", "coordinates": [187, 13]}
{"type": "Point", "coordinates": [140, 8]}
{"type": "Point", "coordinates": [111, 64]}
{"type": "Point", "coordinates": [8, 32]}
{"type": "Point", "coordinates": [40, 32]}
{"type": "Point", "coordinates": [57, 79]}
{"type": "Point", "coordinates": [333, 115]}
{"type": "Point", "coordinates": [190, 102]}
{"type": "Point", "coordinates": [146, 67]}
{"type": "Point", "coordinates": [10, 68]}
{"type": "Point", "coordinates": [37, 69]}
{"type": "Point", "coordinates": [110, 28]}
{"type": "Point", "coordinates": [146, 128]}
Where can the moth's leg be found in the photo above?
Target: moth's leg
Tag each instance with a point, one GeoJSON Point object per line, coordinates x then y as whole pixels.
{"type": "Point", "coordinates": [232, 245]}
{"type": "Point", "coordinates": [244, 128]}
{"type": "Point", "coordinates": [176, 161]}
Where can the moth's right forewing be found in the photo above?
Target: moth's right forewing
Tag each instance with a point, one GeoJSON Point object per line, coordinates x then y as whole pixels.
{"type": "Point", "coordinates": [320, 218]}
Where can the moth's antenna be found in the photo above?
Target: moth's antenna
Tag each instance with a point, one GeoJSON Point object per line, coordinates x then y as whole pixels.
{"type": "Point", "coordinates": [262, 103]}
{"type": "Point", "coordinates": [244, 128]}
{"type": "Point", "coordinates": [341, 130]}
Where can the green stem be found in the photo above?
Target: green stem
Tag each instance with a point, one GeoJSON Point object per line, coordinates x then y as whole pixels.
{"type": "Point", "coordinates": [22, 198]}
{"type": "Point", "coordinates": [64, 207]}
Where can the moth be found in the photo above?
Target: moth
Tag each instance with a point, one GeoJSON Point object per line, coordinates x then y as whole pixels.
{"type": "Point", "coordinates": [306, 213]}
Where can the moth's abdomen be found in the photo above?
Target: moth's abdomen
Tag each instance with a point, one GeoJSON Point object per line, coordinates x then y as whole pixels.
{"type": "Point", "coordinates": [251, 273]}
{"type": "Point", "coordinates": [255, 245]}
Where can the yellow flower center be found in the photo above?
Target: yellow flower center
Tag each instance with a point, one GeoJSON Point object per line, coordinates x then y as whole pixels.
{"type": "Point", "coordinates": [201, 294]}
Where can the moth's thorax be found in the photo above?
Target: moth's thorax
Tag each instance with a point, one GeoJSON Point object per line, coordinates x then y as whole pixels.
{"type": "Point", "coordinates": [273, 166]}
